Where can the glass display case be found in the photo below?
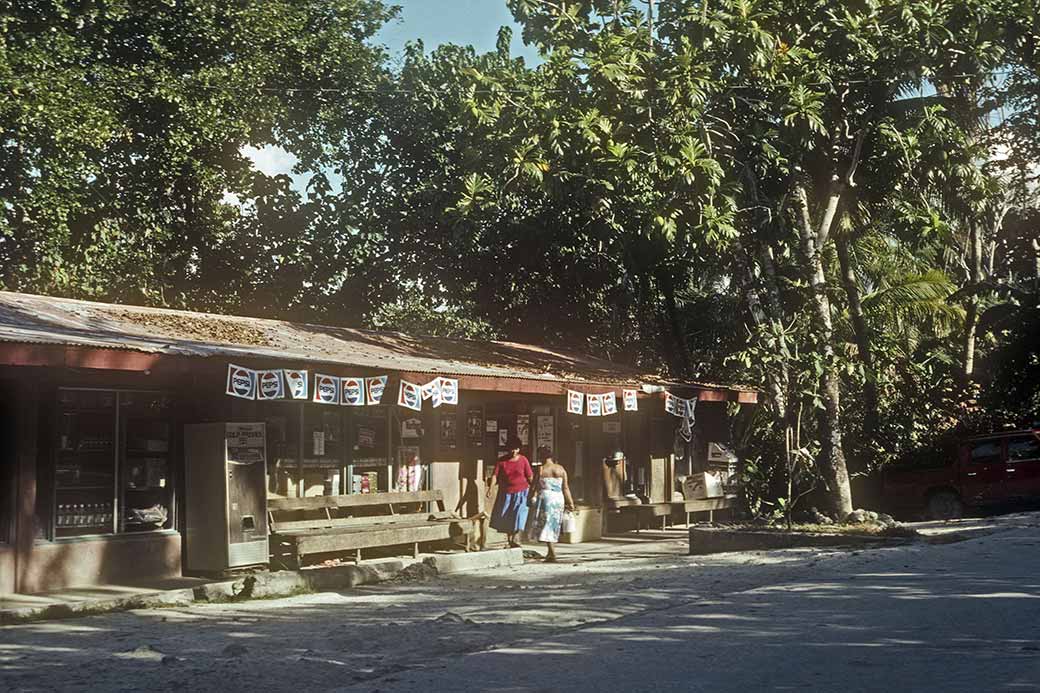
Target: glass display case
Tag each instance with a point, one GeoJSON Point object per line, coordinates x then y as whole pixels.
{"type": "Point", "coordinates": [147, 501]}
{"type": "Point", "coordinates": [112, 463]}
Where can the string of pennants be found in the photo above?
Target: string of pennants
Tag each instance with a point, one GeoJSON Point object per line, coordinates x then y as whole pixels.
{"type": "Point", "coordinates": [604, 404]}
{"type": "Point", "coordinates": [284, 383]}
{"type": "Point", "coordinates": [685, 409]}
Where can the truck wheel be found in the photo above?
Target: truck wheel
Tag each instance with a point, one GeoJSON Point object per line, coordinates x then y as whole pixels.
{"type": "Point", "coordinates": [945, 505]}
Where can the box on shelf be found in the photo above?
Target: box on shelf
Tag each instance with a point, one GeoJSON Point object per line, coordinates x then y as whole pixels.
{"type": "Point", "coordinates": [703, 485]}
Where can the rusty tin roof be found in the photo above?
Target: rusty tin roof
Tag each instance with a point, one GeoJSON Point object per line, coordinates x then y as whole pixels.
{"type": "Point", "coordinates": [32, 319]}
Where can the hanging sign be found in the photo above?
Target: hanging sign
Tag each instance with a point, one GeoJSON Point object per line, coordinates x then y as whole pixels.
{"type": "Point", "coordinates": [269, 385]}
{"type": "Point", "coordinates": [575, 402]}
{"type": "Point", "coordinates": [296, 383]}
{"type": "Point", "coordinates": [326, 389]}
{"type": "Point", "coordinates": [241, 382]}
{"type": "Point", "coordinates": [352, 392]}
{"type": "Point", "coordinates": [609, 403]}
{"type": "Point", "coordinates": [680, 407]}
{"type": "Point", "coordinates": [431, 387]}
{"type": "Point", "coordinates": [449, 391]}
{"type": "Point", "coordinates": [691, 410]}
{"type": "Point", "coordinates": [374, 388]}
{"type": "Point", "coordinates": [594, 405]}
{"type": "Point", "coordinates": [410, 396]}
{"type": "Point", "coordinates": [629, 397]}
{"type": "Point", "coordinates": [669, 403]}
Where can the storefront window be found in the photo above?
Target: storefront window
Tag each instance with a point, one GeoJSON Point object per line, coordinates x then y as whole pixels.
{"type": "Point", "coordinates": [323, 450]}
{"type": "Point", "coordinates": [370, 469]}
{"type": "Point", "coordinates": [112, 469]}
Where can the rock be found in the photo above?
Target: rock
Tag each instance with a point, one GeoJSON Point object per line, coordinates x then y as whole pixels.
{"type": "Point", "coordinates": [451, 618]}
{"type": "Point", "coordinates": [856, 517]}
{"type": "Point", "coordinates": [886, 520]}
{"type": "Point", "coordinates": [144, 652]}
{"type": "Point", "coordinates": [235, 649]}
{"type": "Point", "coordinates": [872, 516]}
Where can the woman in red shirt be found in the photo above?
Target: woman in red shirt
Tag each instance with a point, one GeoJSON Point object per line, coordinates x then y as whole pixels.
{"type": "Point", "coordinates": [513, 475]}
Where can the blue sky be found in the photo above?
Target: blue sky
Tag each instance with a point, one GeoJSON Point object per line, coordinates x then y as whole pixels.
{"type": "Point", "coordinates": [465, 22]}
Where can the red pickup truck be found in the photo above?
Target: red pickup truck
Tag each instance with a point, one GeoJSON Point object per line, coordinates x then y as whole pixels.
{"type": "Point", "coordinates": [981, 470]}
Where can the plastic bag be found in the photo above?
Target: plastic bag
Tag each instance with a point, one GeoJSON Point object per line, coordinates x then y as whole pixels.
{"type": "Point", "coordinates": [570, 523]}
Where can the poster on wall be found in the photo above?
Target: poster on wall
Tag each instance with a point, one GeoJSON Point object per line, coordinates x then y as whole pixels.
{"type": "Point", "coordinates": [594, 404]}
{"type": "Point", "coordinates": [326, 389]}
{"type": "Point", "coordinates": [546, 432]}
{"type": "Point", "coordinates": [449, 391]}
{"type": "Point", "coordinates": [245, 442]}
{"type": "Point", "coordinates": [575, 402]}
{"type": "Point", "coordinates": [366, 437]}
{"type": "Point", "coordinates": [352, 392]}
{"type": "Point", "coordinates": [296, 383]}
{"type": "Point", "coordinates": [241, 382]}
{"type": "Point", "coordinates": [523, 428]}
{"type": "Point", "coordinates": [629, 397]}
{"type": "Point", "coordinates": [411, 428]}
{"type": "Point", "coordinates": [269, 385]}
{"type": "Point", "coordinates": [475, 427]}
{"type": "Point", "coordinates": [374, 388]}
{"type": "Point", "coordinates": [409, 396]}
{"type": "Point", "coordinates": [609, 403]}
{"type": "Point", "coordinates": [449, 430]}
{"type": "Point", "coordinates": [503, 437]}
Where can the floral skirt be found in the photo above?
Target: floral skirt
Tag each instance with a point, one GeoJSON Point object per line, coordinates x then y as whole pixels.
{"type": "Point", "coordinates": [546, 517]}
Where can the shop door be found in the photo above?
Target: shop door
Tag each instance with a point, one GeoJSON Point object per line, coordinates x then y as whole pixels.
{"type": "Point", "coordinates": [983, 465]}
{"type": "Point", "coordinates": [1022, 468]}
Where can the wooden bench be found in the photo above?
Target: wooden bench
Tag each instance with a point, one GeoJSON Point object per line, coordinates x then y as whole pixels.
{"type": "Point", "coordinates": [303, 527]}
{"type": "Point", "coordinates": [648, 512]}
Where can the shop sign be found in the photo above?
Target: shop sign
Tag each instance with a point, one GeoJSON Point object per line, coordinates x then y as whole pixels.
{"type": "Point", "coordinates": [575, 402]}
{"type": "Point", "coordinates": [411, 428]}
{"type": "Point", "coordinates": [245, 442]}
{"type": "Point", "coordinates": [409, 396]}
{"type": "Point", "coordinates": [241, 382]}
{"type": "Point", "coordinates": [366, 437]}
{"type": "Point", "coordinates": [296, 382]}
{"type": "Point", "coordinates": [629, 397]}
{"type": "Point", "coordinates": [270, 385]}
{"type": "Point", "coordinates": [374, 388]}
{"type": "Point", "coordinates": [594, 405]}
{"type": "Point", "coordinates": [326, 389]}
{"type": "Point", "coordinates": [609, 403]}
{"type": "Point", "coordinates": [352, 392]}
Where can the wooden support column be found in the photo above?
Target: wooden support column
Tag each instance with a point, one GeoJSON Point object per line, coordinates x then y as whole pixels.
{"type": "Point", "coordinates": [27, 425]}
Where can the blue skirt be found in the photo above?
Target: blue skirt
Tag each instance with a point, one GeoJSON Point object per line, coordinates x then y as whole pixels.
{"type": "Point", "coordinates": [510, 512]}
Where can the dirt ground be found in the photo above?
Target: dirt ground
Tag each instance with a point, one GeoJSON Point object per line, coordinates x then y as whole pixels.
{"type": "Point", "coordinates": [368, 636]}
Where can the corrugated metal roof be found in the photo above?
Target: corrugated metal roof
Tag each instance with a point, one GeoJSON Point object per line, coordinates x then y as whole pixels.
{"type": "Point", "coordinates": [27, 318]}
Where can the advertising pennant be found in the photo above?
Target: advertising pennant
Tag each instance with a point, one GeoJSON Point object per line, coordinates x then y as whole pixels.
{"type": "Point", "coordinates": [374, 388]}
{"type": "Point", "coordinates": [594, 405]}
{"type": "Point", "coordinates": [669, 403]}
{"type": "Point", "coordinates": [449, 391]}
{"type": "Point", "coordinates": [241, 382]}
{"type": "Point", "coordinates": [629, 397]}
{"type": "Point", "coordinates": [269, 385]}
{"type": "Point", "coordinates": [326, 389]}
{"type": "Point", "coordinates": [296, 383]}
{"type": "Point", "coordinates": [691, 410]}
{"type": "Point", "coordinates": [575, 402]}
{"type": "Point", "coordinates": [680, 407]}
{"type": "Point", "coordinates": [609, 403]}
{"type": "Point", "coordinates": [429, 388]}
{"type": "Point", "coordinates": [686, 430]}
{"type": "Point", "coordinates": [352, 392]}
{"type": "Point", "coordinates": [410, 396]}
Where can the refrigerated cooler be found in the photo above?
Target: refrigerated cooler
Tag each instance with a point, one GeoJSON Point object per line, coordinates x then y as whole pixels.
{"type": "Point", "coordinates": [225, 497]}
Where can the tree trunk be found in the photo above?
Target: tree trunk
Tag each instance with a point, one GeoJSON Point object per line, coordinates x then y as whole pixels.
{"type": "Point", "coordinates": [972, 309]}
{"type": "Point", "coordinates": [862, 337]}
{"type": "Point", "coordinates": [680, 353]}
{"type": "Point", "coordinates": [777, 384]}
{"type": "Point", "coordinates": [832, 456]}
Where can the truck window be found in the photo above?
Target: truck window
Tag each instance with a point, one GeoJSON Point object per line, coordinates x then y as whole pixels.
{"type": "Point", "coordinates": [1022, 448]}
{"type": "Point", "coordinates": [986, 453]}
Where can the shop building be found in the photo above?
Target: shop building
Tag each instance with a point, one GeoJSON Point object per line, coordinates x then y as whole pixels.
{"type": "Point", "coordinates": [94, 400]}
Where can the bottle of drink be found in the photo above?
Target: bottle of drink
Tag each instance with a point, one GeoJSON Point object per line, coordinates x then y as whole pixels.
{"type": "Point", "coordinates": [60, 521]}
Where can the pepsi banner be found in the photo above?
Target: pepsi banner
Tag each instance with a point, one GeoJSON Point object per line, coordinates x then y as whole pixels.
{"type": "Point", "coordinates": [295, 383]}
{"type": "Point", "coordinates": [326, 389]}
{"type": "Point", "coordinates": [449, 391]}
{"type": "Point", "coordinates": [241, 382]}
{"type": "Point", "coordinates": [352, 392]}
{"type": "Point", "coordinates": [374, 388]}
{"type": "Point", "coordinates": [410, 396]}
{"type": "Point", "coordinates": [629, 397]}
{"type": "Point", "coordinates": [269, 385]}
{"type": "Point", "coordinates": [575, 402]}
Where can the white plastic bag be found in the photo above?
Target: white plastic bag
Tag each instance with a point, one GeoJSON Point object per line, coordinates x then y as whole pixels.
{"type": "Point", "coordinates": [570, 524]}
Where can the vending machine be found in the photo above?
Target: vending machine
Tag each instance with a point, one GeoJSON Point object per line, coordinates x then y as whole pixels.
{"type": "Point", "coordinates": [225, 496]}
